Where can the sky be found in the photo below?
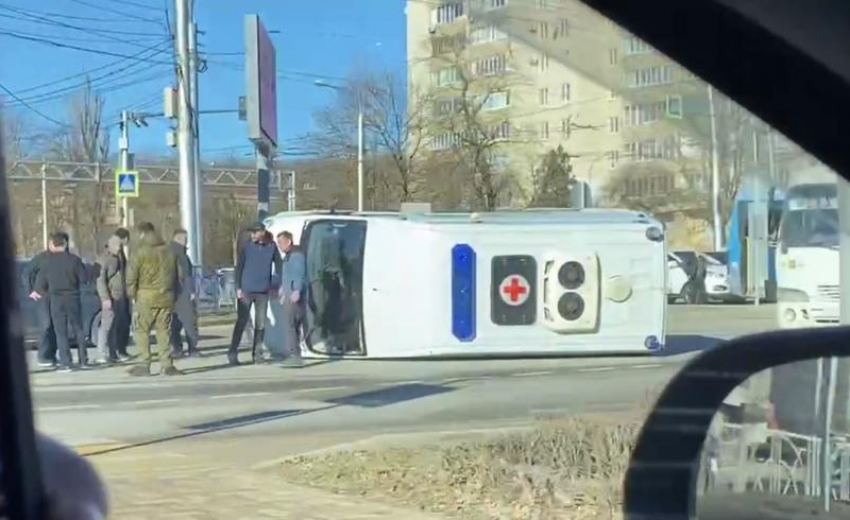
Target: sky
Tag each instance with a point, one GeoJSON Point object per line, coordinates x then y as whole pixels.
{"type": "Point", "coordinates": [314, 41]}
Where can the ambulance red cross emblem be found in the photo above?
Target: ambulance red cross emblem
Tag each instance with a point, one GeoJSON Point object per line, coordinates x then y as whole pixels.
{"type": "Point", "coordinates": [514, 290]}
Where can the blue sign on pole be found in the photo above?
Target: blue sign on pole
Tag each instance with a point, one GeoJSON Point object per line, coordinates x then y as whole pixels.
{"type": "Point", "coordinates": [127, 184]}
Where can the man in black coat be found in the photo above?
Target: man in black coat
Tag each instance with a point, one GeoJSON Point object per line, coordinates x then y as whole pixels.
{"type": "Point", "coordinates": [47, 336]}
{"type": "Point", "coordinates": [60, 277]}
{"type": "Point", "coordinates": [185, 315]}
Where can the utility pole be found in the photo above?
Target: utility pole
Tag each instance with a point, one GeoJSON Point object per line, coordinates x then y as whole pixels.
{"type": "Point", "coordinates": [359, 157]}
{"type": "Point", "coordinates": [185, 129]}
{"type": "Point", "coordinates": [124, 165]}
{"type": "Point", "coordinates": [196, 128]}
{"type": "Point", "coordinates": [45, 233]}
{"type": "Point", "coordinates": [715, 174]}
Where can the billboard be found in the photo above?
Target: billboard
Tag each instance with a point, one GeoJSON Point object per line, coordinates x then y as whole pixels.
{"type": "Point", "coordinates": [261, 87]}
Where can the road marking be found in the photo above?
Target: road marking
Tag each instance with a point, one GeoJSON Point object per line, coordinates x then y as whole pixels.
{"type": "Point", "coordinates": [68, 407]}
{"type": "Point", "coordinates": [533, 374]}
{"type": "Point", "coordinates": [399, 383]}
{"type": "Point", "coordinates": [654, 365]}
{"type": "Point", "coordinates": [596, 369]}
{"type": "Point", "coordinates": [156, 401]}
{"type": "Point", "coordinates": [320, 389]}
{"type": "Point", "coordinates": [236, 396]}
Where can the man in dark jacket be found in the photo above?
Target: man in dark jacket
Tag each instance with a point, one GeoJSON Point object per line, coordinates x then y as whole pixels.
{"type": "Point", "coordinates": [114, 308]}
{"type": "Point", "coordinates": [254, 282]}
{"type": "Point", "coordinates": [60, 276]}
{"type": "Point", "coordinates": [293, 296]}
{"type": "Point", "coordinates": [184, 317]}
{"type": "Point", "coordinates": [121, 307]}
{"type": "Point", "coordinates": [47, 336]}
{"type": "Point", "coordinates": [151, 279]}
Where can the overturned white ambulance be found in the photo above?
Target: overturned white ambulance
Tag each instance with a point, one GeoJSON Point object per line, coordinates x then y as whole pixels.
{"type": "Point", "coordinates": [507, 283]}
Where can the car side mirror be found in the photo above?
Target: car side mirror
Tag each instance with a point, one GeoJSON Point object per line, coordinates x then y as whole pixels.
{"type": "Point", "coordinates": [756, 428]}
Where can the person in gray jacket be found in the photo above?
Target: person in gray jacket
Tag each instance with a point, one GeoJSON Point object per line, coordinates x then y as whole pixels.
{"type": "Point", "coordinates": [185, 316]}
{"type": "Point", "coordinates": [112, 290]}
{"type": "Point", "coordinates": [293, 296]}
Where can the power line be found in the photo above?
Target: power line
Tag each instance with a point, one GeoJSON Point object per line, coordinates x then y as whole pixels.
{"type": "Point", "coordinates": [114, 11]}
{"type": "Point", "coordinates": [89, 71]}
{"type": "Point", "coordinates": [75, 17]}
{"type": "Point", "coordinates": [87, 30]}
{"type": "Point", "coordinates": [33, 109]}
{"type": "Point", "coordinates": [76, 48]}
{"type": "Point", "coordinates": [29, 17]}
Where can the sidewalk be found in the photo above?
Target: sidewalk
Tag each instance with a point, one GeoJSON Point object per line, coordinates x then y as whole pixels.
{"type": "Point", "coordinates": [154, 482]}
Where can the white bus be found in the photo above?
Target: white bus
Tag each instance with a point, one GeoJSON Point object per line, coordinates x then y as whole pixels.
{"type": "Point", "coordinates": [531, 283]}
{"type": "Point", "coordinates": [807, 262]}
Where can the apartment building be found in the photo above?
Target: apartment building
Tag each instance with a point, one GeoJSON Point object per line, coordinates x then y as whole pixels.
{"type": "Point", "coordinates": [554, 72]}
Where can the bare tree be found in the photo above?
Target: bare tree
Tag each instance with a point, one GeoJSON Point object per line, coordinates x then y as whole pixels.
{"type": "Point", "coordinates": [395, 128]}
{"type": "Point", "coordinates": [84, 139]}
{"type": "Point", "coordinates": [463, 127]}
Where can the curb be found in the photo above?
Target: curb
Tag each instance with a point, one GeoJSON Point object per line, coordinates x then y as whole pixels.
{"type": "Point", "coordinates": [390, 440]}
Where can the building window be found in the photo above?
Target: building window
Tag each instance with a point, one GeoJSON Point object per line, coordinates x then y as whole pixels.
{"type": "Point", "coordinates": [563, 28]}
{"type": "Point", "coordinates": [501, 131]}
{"type": "Point", "coordinates": [497, 100]}
{"type": "Point", "coordinates": [649, 76]}
{"type": "Point", "coordinates": [635, 45]}
{"type": "Point", "coordinates": [543, 30]}
{"type": "Point", "coordinates": [542, 4]}
{"type": "Point", "coordinates": [445, 141]}
{"type": "Point", "coordinates": [566, 93]}
{"type": "Point", "coordinates": [565, 128]}
{"type": "Point", "coordinates": [447, 13]}
{"type": "Point", "coordinates": [543, 96]}
{"type": "Point", "coordinates": [645, 113]}
{"type": "Point", "coordinates": [613, 159]}
{"type": "Point", "coordinates": [447, 107]}
{"type": "Point", "coordinates": [674, 107]}
{"type": "Point", "coordinates": [445, 77]}
{"type": "Point", "coordinates": [543, 62]}
{"type": "Point", "coordinates": [448, 44]}
{"type": "Point", "coordinates": [614, 124]}
{"type": "Point", "coordinates": [544, 130]}
{"type": "Point", "coordinates": [492, 65]}
{"type": "Point", "coordinates": [486, 34]}
{"type": "Point", "coordinates": [497, 4]}
{"type": "Point", "coordinates": [612, 56]}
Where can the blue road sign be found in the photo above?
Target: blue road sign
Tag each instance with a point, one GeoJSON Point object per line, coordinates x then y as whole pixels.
{"type": "Point", "coordinates": [127, 184]}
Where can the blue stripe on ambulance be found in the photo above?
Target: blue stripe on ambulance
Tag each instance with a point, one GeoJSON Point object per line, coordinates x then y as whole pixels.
{"type": "Point", "coordinates": [463, 292]}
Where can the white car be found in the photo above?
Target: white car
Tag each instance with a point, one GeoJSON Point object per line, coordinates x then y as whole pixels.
{"type": "Point", "coordinates": [716, 279]}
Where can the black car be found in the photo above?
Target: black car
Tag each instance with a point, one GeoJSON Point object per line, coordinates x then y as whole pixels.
{"type": "Point", "coordinates": [90, 303]}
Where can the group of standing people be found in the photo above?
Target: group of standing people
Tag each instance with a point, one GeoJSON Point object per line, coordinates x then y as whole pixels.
{"type": "Point", "coordinates": [270, 268]}
{"type": "Point", "coordinates": [158, 285]}
{"type": "Point", "coordinates": [159, 280]}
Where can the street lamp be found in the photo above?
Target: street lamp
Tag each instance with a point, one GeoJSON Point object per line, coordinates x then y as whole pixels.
{"type": "Point", "coordinates": [320, 83]}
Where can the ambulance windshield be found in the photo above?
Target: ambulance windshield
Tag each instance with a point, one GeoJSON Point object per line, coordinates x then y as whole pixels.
{"type": "Point", "coordinates": [335, 273]}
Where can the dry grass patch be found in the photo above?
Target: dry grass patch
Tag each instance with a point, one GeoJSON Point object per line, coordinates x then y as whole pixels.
{"type": "Point", "coordinates": [562, 468]}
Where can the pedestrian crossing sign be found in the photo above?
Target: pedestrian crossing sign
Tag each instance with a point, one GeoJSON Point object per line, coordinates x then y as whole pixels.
{"type": "Point", "coordinates": [127, 183]}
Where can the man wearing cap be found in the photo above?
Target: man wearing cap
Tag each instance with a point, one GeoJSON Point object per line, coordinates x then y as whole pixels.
{"type": "Point", "coordinates": [254, 282]}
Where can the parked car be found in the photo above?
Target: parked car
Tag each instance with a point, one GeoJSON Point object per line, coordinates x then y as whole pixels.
{"type": "Point", "coordinates": [90, 303]}
{"type": "Point", "coordinates": [716, 279]}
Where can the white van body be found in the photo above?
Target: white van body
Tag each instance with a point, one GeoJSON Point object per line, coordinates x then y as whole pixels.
{"type": "Point", "coordinates": [395, 285]}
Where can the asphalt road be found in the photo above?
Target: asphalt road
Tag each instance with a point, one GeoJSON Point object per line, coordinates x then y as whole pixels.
{"type": "Point", "coordinates": [285, 411]}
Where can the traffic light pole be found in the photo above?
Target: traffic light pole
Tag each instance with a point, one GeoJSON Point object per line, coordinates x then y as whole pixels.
{"type": "Point", "coordinates": [125, 165]}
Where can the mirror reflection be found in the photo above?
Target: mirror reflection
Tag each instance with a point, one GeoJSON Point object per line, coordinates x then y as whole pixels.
{"type": "Point", "coordinates": [779, 446]}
